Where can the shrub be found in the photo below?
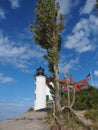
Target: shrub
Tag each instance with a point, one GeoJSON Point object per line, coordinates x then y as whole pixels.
{"type": "Point", "coordinates": [86, 99]}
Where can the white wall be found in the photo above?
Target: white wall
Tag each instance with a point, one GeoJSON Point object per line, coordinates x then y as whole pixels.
{"type": "Point", "coordinates": [40, 92]}
{"type": "Point", "coordinates": [48, 91]}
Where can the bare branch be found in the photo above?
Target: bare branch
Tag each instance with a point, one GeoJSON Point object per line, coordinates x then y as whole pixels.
{"type": "Point", "coordinates": [82, 121]}
{"type": "Point", "coordinates": [74, 92]}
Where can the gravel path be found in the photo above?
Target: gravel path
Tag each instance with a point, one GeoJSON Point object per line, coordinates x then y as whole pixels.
{"type": "Point", "coordinates": [27, 121]}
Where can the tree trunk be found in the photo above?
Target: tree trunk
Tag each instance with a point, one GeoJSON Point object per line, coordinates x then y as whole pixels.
{"type": "Point", "coordinates": [57, 88]}
{"type": "Point", "coordinates": [57, 105]}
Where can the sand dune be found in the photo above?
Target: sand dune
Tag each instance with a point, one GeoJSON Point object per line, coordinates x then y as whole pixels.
{"type": "Point", "coordinates": [27, 121]}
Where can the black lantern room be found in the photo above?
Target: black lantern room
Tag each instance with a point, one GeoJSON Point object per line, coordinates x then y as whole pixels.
{"type": "Point", "coordinates": [40, 71]}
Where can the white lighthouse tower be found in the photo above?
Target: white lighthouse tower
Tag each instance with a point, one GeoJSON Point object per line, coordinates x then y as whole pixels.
{"type": "Point", "coordinates": [42, 93]}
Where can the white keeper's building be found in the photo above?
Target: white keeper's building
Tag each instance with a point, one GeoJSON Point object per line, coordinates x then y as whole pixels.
{"type": "Point", "coordinates": [42, 93]}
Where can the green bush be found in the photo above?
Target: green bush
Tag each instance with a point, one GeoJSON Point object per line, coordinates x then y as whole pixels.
{"type": "Point", "coordinates": [85, 99]}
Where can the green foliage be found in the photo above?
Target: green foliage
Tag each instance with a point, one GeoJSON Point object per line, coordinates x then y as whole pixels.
{"type": "Point", "coordinates": [63, 100]}
{"type": "Point", "coordinates": [87, 99]}
{"type": "Point", "coordinates": [46, 30]}
{"type": "Point", "coordinates": [45, 26]}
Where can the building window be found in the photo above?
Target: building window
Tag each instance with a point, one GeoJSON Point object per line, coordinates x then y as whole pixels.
{"type": "Point", "coordinates": [62, 85]}
{"type": "Point", "coordinates": [71, 86]}
{"type": "Point", "coordinates": [84, 87]}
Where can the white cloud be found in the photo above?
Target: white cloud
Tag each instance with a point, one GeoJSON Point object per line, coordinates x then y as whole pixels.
{"type": "Point", "coordinates": [88, 7]}
{"type": "Point", "coordinates": [96, 72]}
{"type": "Point", "coordinates": [15, 3]}
{"type": "Point", "coordinates": [5, 79]}
{"type": "Point", "coordinates": [66, 5]}
{"type": "Point", "coordinates": [83, 35]}
{"type": "Point", "coordinates": [19, 55]}
{"type": "Point", "coordinates": [2, 14]}
{"type": "Point", "coordinates": [65, 67]}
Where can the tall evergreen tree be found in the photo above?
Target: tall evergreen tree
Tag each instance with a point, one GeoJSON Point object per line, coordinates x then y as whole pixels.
{"type": "Point", "coordinates": [46, 30]}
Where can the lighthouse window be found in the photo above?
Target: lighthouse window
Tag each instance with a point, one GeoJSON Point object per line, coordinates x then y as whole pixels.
{"type": "Point", "coordinates": [35, 96]}
{"type": "Point", "coordinates": [47, 98]}
{"type": "Point", "coordinates": [35, 86]}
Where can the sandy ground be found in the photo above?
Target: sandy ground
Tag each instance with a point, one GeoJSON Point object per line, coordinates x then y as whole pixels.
{"type": "Point", "coordinates": [27, 121]}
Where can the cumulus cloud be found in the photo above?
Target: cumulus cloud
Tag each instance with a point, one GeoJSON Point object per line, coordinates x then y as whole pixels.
{"type": "Point", "coordinates": [5, 79]}
{"type": "Point", "coordinates": [83, 35]}
{"type": "Point", "coordinates": [96, 72]}
{"type": "Point", "coordinates": [66, 5]}
{"type": "Point", "coordinates": [2, 14]}
{"type": "Point", "coordinates": [65, 67]}
{"type": "Point", "coordinates": [88, 7]}
{"type": "Point", "coordinates": [15, 3]}
{"type": "Point", "coordinates": [18, 55]}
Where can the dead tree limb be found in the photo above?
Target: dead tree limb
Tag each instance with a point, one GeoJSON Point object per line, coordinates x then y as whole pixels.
{"type": "Point", "coordinates": [73, 101]}
{"type": "Point", "coordinates": [77, 116]}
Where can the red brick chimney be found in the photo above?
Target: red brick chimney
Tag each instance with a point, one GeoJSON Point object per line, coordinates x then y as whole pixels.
{"type": "Point", "coordinates": [71, 79]}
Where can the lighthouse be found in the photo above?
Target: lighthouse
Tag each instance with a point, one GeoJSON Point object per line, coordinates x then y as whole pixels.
{"type": "Point", "coordinates": [42, 92]}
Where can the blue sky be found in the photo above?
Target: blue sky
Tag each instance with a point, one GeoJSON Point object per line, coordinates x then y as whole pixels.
{"type": "Point", "coordinates": [19, 57]}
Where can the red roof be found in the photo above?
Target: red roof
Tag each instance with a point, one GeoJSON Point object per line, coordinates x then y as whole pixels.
{"type": "Point", "coordinates": [78, 86]}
